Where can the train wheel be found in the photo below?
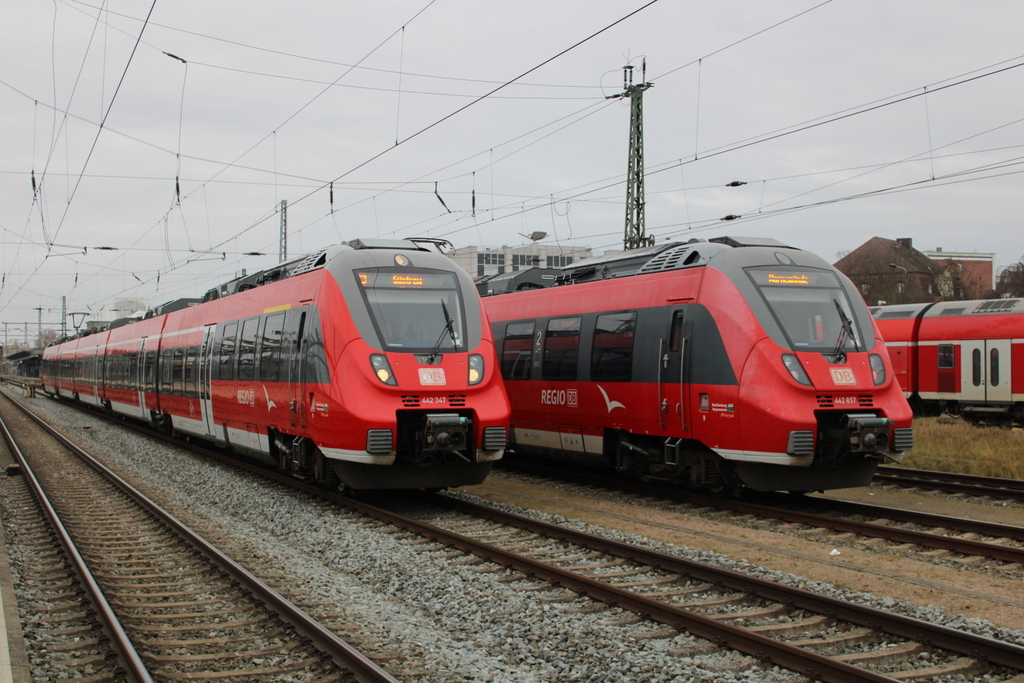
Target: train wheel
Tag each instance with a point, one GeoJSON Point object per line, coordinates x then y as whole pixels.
{"type": "Point", "coordinates": [323, 471]}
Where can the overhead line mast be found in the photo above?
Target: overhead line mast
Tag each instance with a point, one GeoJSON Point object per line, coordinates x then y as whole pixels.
{"type": "Point", "coordinates": [635, 233]}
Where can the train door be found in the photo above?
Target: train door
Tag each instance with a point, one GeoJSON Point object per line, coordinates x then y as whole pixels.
{"type": "Point", "coordinates": [206, 378]}
{"type": "Point", "coordinates": [140, 378]}
{"type": "Point", "coordinates": [672, 403]}
{"type": "Point", "coordinates": [296, 353]}
{"type": "Point", "coordinates": [985, 371]}
{"type": "Point", "coordinates": [96, 376]}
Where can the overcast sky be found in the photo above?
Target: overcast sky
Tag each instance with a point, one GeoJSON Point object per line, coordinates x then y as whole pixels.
{"type": "Point", "coordinates": [846, 119]}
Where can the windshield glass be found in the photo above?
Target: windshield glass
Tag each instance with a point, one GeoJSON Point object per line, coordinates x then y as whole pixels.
{"type": "Point", "coordinates": [407, 310]}
{"type": "Point", "coordinates": [811, 308]}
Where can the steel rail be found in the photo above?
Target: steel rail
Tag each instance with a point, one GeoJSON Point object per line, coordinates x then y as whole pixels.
{"type": "Point", "coordinates": [343, 654]}
{"type": "Point", "coordinates": [964, 524]}
{"type": "Point", "coordinates": [810, 664]}
{"type": "Point", "coordinates": [778, 511]}
{"type": "Point", "coordinates": [762, 648]}
{"type": "Point", "coordinates": [994, 651]}
{"type": "Point", "coordinates": [979, 647]}
{"type": "Point", "coordinates": [1012, 489]}
{"type": "Point", "coordinates": [894, 534]}
{"type": "Point", "coordinates": [129, 661]}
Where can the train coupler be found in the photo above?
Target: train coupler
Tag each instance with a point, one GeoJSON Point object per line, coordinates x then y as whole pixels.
{"type": "Point", "coordinates": [867, 433]}
{"type": "Point", "coordinates": [446, 432]}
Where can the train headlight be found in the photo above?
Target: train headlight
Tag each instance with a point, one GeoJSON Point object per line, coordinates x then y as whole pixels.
{"type": "Point", "coordinates": [382, 369]}
{"type": "Point", "coordinates": [476, 369]}
{"type": "Point", "coordinates": [877, 368]}
{"type": "Point", "coordinates": [796, 371]}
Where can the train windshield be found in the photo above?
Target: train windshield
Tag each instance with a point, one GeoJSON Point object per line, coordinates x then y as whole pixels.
{"type": "Point", "coordinates": [811, 307]}
{"type": "Point", "coordinates": [411, 308]}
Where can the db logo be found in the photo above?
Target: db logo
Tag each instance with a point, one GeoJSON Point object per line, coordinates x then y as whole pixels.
{"type": "Point", "coordinates": [843, 376]}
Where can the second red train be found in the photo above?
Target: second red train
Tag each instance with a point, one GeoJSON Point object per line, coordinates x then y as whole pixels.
{"type": "Point", "coordinates": [959, 357]}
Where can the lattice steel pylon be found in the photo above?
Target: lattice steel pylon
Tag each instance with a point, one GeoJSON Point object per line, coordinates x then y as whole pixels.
{"type": "Point", "coordinates": [635, 234]}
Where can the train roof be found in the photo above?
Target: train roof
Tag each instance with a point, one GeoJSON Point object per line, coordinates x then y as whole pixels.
{"type": "Point", "coordinates": [944, 309]}
{"type": "Point", "coordinates": [316, 261]}
{"type": "Point", "coordinates": [533, 277]}
{"type": "Point", "coordinates": [897, 311]}
{"type": "Point", "coordinates": [298, 266]}
{"type": "Point", "coordinates": [662, 257]}
{"type": "Point", "coordinates": [982, 307]}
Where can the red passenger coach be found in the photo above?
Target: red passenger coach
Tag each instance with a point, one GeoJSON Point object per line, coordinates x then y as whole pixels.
{"type": "Point", "coordinates": [369, 362]}
{"type": "Point", "coordinates": [960, 357]}
{"type": "Point", "coordinates": [739, 362]}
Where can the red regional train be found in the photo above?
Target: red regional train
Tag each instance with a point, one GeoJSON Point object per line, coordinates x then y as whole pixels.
{"type": "Point", "coordinates": [960, 357]}
{"type": "Point", "coordinates": [369, 362]}
{"type": "Point", "coordinates": [736, 362]}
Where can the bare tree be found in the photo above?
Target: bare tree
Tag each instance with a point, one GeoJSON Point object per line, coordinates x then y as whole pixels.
{"type": "Point", "coordinates": [1011, 281]}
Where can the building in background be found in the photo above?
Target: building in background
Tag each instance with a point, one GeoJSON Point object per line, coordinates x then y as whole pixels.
{"type": "Point", "coordinates": [485, 261]}
{"type": "Point", "coordinates": [893, 272]}
{"type": "Point", "coordinates": [974, 273]}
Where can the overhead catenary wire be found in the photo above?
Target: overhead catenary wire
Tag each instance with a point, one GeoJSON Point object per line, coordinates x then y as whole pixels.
{"type": "Point", "coordinates": [446, 194]}
{"type": "Point", "coordinates": [92, 149]}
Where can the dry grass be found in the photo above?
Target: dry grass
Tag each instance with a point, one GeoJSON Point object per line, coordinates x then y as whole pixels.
{"type": "Point", "coordinates": [952, 445]}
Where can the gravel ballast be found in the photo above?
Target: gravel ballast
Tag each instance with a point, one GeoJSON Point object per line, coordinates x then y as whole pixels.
{"type": "Point", "coordinates": [427, 613]}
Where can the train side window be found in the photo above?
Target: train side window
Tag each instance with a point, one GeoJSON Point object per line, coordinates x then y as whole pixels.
{"type": "Point", "coordinates": [976, 367]}
{"type": "Point", "coordinates": [166, 371]}
{"type": "Point", "coordinates": [517, 350]}
{"type": "Point", "coordinates": [993, 370]}
{"type": "Point", "coordinates": [561, 349]}
{"type": "Point", "coordinates": [227, 351]}
{"type": "Point", "coordinates": [178, 374]}
{"type": "Point", "coordinates": [270, 348]}
{"type": "Point", "coordinates": [946, 356]}
{"type": "Point", "coordinates": [191, 369]}
{"type": "Point", "coordinates": [612, 356]}
{"type": "Point", "coordinates": [675, 338]}
{"type": "Point", "coordinates": [247, 350]}
{"type": "Point", "coordinates": [136, 360]}
{"type": "Point", "coordinates": [150, 372]}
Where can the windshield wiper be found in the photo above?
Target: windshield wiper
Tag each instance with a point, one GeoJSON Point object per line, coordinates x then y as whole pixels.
{"type": "Point", "coordinates": [845, 332]}
{"type": "Point", "coordinates": [449, 327]}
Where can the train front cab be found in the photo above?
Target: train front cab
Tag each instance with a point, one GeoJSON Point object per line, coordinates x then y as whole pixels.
{"type": "Point", "coordinates": [414, 367]}
{"type": "Point", "coordinates": [819, 390]}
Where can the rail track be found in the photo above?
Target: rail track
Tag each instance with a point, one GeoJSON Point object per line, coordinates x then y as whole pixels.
{"type": "Point", "coordinates": [948, 482]}
{"type": "Point", "coordinates": [823, 638]}
{"type": "Point", "coordinates": [820, 637]}
{"type": "Point", "coordinates": [999, 543]}
{"type": "Point", "coordinates": [149, 598]}
{"type": "Point", "coordinates": [954, 535]}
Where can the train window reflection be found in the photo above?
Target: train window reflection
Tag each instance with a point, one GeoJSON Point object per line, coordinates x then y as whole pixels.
{"type": "Point", "coordinates": [993, 372]}
{"type": "Point", "coordinates": [414, 317]}
{"type": "Point", "coordinates": [517, 350]}
{"type": "Point", "coordinates": [675, 341]}
{"type": "Point", "coordinates": [612, 353]}
{"type": "Point", "coordinates": [811, 308]}
{"type": "Point", "coordinates": [976, 367]}
{"type": "Point", "coordinates": [247, 350]}
{"type": "Point", "coordinates": [270, 348]}
{"type": "Point", "coordinates": [561, 349]}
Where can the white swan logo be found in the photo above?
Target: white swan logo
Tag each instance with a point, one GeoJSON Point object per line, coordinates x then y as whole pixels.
{"type": "Point", "coordinates": [610, 404]}
{"type": "Point", "coordinates": [270, 404]}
